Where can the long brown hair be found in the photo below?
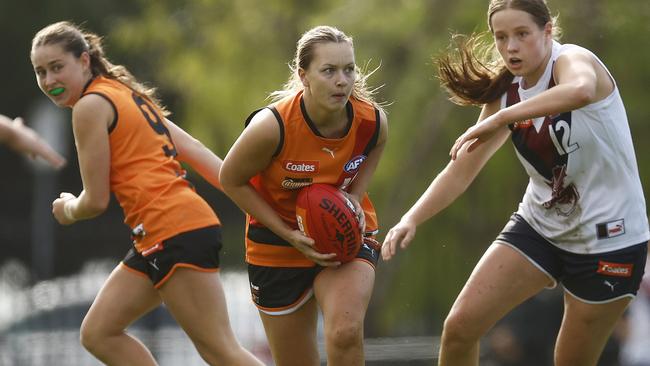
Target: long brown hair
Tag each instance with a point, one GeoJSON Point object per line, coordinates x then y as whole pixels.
{"type": "Point", "coordinates": [471, 70]}
{"type": "Point", "coordinates": [75, 40]}
{"type": "Point", "coordinates": [305, 55]}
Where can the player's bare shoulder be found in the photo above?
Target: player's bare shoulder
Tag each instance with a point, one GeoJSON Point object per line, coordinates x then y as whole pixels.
{"type": "Point", "coordinates": [92, 108]}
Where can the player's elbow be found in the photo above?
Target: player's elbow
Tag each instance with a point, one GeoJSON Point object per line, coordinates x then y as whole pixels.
{"type": "Point", "coordinates": [228, 181]}
{"type": "Point", "coordinates": [583, 94]}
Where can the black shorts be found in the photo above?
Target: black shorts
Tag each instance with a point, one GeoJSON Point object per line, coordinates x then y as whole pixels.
{"type": "Point", "coordinates": [197, 249]}
{"type": "Point", "coordinates": [283, 290]}
{"type": "Point", "coordinates": [592, 278]}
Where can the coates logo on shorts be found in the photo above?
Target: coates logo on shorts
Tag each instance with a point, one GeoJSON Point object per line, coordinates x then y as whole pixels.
{"type": "Point", "coordinates": [301, 166]}
{"type": "Point", "coordinates": [353, 164]}
{"type": "Point", "coordinates": [615, 269]}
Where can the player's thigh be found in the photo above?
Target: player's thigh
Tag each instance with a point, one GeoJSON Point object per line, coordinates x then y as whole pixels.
{"type": "Point", "coordinates": [124, 297]}
{"type": "Point", "coordinates": [196, 300]}
{"type": "Point", "coordinates": [292, 336]}
{"type": "Point", "coordinates": [599, 317]}
{"type": "Point", "coordinates": [585, 329]}
{"type": "Point", "coordinates": [502, 279]}
{"type": "Point", "coordinates": [343, 292]}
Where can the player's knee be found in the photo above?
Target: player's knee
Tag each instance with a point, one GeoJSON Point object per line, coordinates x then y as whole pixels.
{"type": "Point", "coordinates": [458, 329]}
{"type": "Point", "coordinates": [232, 356]}
{"type": "Point", "coordinates": [94, 337]}
{"type": "Point", "coordinates": [89, 337]}
{"type": "Point", "coordinates": [583, 358]}
{"type": "Point", "coordinates": [216, 352]}
{"type": "Point", "coordinates": [212, 358]}
{"type": "Point", "coordinates": [343, 335]}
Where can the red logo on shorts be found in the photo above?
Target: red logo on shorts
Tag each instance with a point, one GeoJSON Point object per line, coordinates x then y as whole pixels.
{"type": "Point", "coordinates": [615, 269]}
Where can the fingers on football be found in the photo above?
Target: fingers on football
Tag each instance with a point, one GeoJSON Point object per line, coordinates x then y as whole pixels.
{"type": "Point", "coordinates": [325, 260]}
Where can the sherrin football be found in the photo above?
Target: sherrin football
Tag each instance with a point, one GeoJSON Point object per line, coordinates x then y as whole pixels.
{"type": "Point", "coordinates": [327, 216]}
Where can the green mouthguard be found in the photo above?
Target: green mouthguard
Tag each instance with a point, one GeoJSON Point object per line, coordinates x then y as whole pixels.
{"type": "Point", "coordinates": [56, 91]}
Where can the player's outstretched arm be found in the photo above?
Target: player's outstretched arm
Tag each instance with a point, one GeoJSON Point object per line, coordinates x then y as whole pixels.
{"type": "Point", "coordinates": [578, 85]}
{"type": "Point", "coordinates": [26, 141]}
{"type": "Point", "coordinates": [445, 188]}
{"type": "Point", "coordinates": [193, 152]}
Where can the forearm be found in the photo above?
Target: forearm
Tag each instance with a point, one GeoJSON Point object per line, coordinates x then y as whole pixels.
{"type": "Point", "coordinates": [6, 132]}
{"type": "Point", "coordinates": [441, 193]}
{"type": "Point", "coordinates": [206, 163]}
{"type": "Point", "coordinates": [193, 152]}
{"type": "Point", "coordinates": [454, 179]}
{"type": "Point", "coordinates": [360, 184]}
{"type": "Point", "coordinates": [559, 99]}
{"type": "Point", "coordinates": [359, 187]}
{"type": "Point", "coordinates": [83, 207]}
{"type": "Point", "coordinates": [252, 203]}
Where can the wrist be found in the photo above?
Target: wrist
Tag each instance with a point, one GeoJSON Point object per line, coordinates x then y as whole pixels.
{"type": "Point", "coordinates": [500, 118]}
{"type": "Point", "coordinates": [409, 219]}
{"type": "Point", "coordinates": [67, 211]}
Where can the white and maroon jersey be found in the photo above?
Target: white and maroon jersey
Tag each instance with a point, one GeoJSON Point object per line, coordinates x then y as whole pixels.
{"type": "Point", "coordinates": [584, 194]}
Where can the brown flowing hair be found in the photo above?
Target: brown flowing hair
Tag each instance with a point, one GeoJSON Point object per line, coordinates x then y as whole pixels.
{"type": "Point", "coordinates": [75, 40]}
{"type": "Point", "coordinates": [471, 70]}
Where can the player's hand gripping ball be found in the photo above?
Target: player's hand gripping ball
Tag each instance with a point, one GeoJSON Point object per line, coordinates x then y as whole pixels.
{"type": "Point", "coordinates": [327, 216]}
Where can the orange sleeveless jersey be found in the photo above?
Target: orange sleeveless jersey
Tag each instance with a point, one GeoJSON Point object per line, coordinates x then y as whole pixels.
{"type": "Point", "coordinates": [147, 181]}
{"type": "Point", "coordinates": [304, 157]}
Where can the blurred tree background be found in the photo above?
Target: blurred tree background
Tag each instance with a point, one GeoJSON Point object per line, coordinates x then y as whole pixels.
{"type": "Point", "coordinates": [214, 61]}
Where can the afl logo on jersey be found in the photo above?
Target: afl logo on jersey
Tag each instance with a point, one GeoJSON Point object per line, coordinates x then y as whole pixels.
{"type": "Point", "coordinates": [354, 164]}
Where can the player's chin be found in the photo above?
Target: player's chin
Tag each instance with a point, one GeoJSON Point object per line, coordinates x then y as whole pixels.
{"type": "Point", "coordinates": [337, 103]}
{"type": "Point", "coordinates": [59, 102]}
